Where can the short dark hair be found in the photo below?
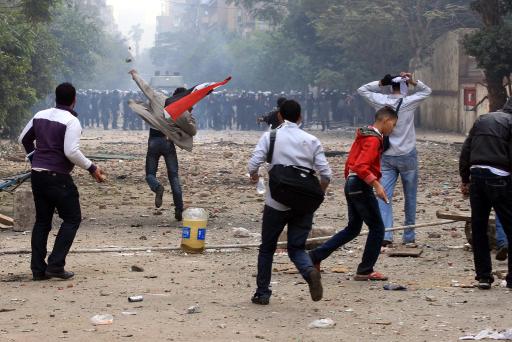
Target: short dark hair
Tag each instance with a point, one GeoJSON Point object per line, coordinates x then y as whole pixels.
{"type": "Point", "coordinates": [386, 112]}
{"type": "Point", "coordinates": [290, 110]}
{"type": "Point", "coordinates": [280, 101]}
{"type": "Point", "coordinates": [179, 90]}
{"type": "Point", "coordinates": [65, 94]}
{"type": "Point", "coordinates": [388, 81]}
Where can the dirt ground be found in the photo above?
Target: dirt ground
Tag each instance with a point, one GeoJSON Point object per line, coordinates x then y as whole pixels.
{"type": "Point", "coordinates": [438, 306]}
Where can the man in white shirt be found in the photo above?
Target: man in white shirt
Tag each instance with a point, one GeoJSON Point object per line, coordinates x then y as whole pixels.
{"type": "Point", "coordinates": [400, 159]}
{"type": "Point", "coordinates": [293, 146]}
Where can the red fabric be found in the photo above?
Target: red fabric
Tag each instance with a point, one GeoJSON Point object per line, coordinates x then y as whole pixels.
{"type": "Point", "coordinates": [175, 109]}
{"type": "Point", "coordinates": [364, 157]}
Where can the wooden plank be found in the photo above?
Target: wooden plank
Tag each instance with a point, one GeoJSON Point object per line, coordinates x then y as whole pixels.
{"type": "Point", "coordinates": [407, 252]}
{"type": "Point", "coordinates": [105, 156]}
{"type": "Point", "coordinates": [6, 220]}
{"type": "Point", "coordinates": [459, 216]}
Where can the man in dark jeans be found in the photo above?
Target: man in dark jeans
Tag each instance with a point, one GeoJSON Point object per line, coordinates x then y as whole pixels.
{"type": "Point", "coordinates": [362, 207]}
{"type": "Point", "coordinates": [362, 173]}
{"type": "Point", "coordinates": [163, 141]}
{"type": "Point", "coordinates": [56, 133]}
{"type": "Point", "coordinates": [293, 146]}
{"type": "Point", "coordinates": [485, 168]}
{"type": "Point", "coordinates": [159, 146]}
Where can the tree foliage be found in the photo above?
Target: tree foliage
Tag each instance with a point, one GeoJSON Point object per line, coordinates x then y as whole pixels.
{"type": "Point", "coordinates": [43, 42]}
{"type": "Point", "coordinates": [327, 43]}
{"type": "Point", "coordinates": [492, 47]}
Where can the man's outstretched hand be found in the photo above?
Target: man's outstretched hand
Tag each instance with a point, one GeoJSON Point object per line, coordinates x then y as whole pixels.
{"type": "Point", "coordinates": [99, 175]}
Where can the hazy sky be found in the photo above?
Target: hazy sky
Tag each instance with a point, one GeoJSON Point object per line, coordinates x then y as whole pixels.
{"type": "Point", "coordinates": [131, 12]}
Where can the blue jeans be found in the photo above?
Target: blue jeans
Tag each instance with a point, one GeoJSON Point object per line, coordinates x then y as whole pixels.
{"type": "Point", "coordinates": [489, 191]}
{"type": "Point", "coordinates": [407, 167]}
{"type": "Point", "coordinates": [158, 147]}
{"type": "Point", "coordinates": [362, 207]}
{"type": "Point", "coordinates": [501, 237]}
{"type": "Point", "coordinates": [299, 226]}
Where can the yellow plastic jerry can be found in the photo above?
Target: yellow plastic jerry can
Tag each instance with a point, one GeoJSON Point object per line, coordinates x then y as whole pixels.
{"type": "Point", "coordinates": [193, 233]}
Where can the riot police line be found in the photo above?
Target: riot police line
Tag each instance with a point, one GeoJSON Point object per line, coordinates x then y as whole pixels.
{"type": "Point", "coordinates": [222, 110]}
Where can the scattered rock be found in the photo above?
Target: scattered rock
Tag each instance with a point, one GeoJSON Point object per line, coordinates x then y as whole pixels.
{"type": "Point", "coordinates": [394, 287]}
{"type": "Point", "coordinates": [430, 299]}
{"type": "Point", "coordinates": [339, 269]}
{"type": "Point", "coordinates": [324, 323]}
{"type": "Point", "coordinates": [241, 232]}
{"type": "Point", "coordinates": [194, 309]}
{"type": "Point", "coordinates": [103, 319]}
{"type": "Point", "coordinates": [136, 268]}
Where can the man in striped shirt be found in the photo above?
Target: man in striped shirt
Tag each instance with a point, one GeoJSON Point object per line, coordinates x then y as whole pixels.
{"type": "Point", "coordinates": [51, 139]}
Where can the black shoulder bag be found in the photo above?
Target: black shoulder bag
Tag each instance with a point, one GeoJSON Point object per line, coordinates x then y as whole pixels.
{"type": "Point", "coordinates": [385, 143]}
{"type": "Point", "coordinates": [295, 186]}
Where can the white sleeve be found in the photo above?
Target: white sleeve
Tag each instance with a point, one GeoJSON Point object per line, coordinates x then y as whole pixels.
{"type": "Point", "coordinates": [422, 92]}
{"type": "Point", "coordinates": [259, 155]}
{"type": "Point", "coordinates": [25, 131]}
{"type": "Point", "coordinates": [321, 163]}
{"type": "Point", "coordinates": [72, 145]}
{"type": "Point", "coordinates": [371, 93]}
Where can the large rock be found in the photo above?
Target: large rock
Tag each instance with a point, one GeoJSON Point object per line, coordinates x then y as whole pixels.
{"type": "Point", "coordinates": [24, 210]}
{"type": "Point", "coordinates": [315, 232]}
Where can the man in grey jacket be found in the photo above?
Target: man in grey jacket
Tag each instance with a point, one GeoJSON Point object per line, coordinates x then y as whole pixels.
{"type": "Point", "coordinates": [163, 135]}
{"type": "Point", "coordinates": [401, 156]}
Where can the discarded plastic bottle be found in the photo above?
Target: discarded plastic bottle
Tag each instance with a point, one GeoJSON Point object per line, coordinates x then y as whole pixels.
{"type": "Point", "coordinates": [193, 234]}
{"type": "Point", "coordinates": [260, 187]}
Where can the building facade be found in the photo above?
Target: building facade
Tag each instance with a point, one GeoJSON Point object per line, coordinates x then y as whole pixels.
{"type": "Point", "coordinates": [459, 94]}
{"type": "Point", "coordinates": [204, 16]}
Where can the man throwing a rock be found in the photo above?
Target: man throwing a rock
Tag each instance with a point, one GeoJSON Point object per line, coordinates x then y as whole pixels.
{"type": "Point", "coordinates": [162, 141]}
{"type": "Point", "coordinates": [56, 133]}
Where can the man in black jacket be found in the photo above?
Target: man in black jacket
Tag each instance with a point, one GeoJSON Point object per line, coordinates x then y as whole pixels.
{"type": "Point", "coordinates": [272, 118]}
{"type": "Point", "coordinates": [485, 168]}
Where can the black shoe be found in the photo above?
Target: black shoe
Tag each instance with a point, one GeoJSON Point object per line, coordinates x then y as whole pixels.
{"type": "Point", "coordinates": [315, 285]}
{"type": "Point", "coordinates": [159, 193]}
{"type": "Point", "coordinates": [484, 284]}
{"type": "Point", "coordinates": [178, 214]}
{"type": "Point", "coordinates": [61, 275]}
{"type": "Point", "coordinates": [387, 243]}
{"type": "Point", "coordinates": [39, 277]}
{"type": "Point", "coordinates": [260, 299]}
{"type": "Point", "coordinates": [502, 253]}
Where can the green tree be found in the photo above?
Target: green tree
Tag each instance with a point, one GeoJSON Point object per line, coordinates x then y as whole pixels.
{"type": "Point", "coordinates": [492, 47]}
{"type": "Point", "coordinates": [349, 41]}
{"type": "Point", "coordinates": [43, 42]}
{"type": "Point", "coordinates": [17, 48]}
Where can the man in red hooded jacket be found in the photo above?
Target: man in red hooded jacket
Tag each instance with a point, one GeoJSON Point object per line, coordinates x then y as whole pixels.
{"type": "Point", "coordinates": [362, 173]}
